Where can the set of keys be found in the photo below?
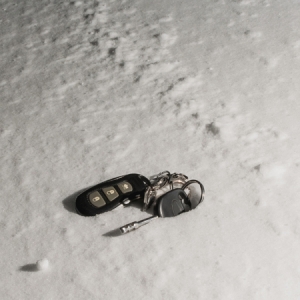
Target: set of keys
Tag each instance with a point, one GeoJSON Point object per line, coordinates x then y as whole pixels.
{"type": "Point", "coordinates": [166, 194]}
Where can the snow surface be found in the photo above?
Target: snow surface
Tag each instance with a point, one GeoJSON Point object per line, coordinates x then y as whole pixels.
{"type": "Point", "coordinates": [91, 90]}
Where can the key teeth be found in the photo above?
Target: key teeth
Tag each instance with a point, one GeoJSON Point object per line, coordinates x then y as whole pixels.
{"type": "Point", "coordinates": [129, 227]}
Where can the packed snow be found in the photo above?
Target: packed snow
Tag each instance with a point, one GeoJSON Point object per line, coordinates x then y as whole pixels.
{"type": "Point", "coordinates": [91, 90]}
{"type": "Point", "coordinates": [42, 264]}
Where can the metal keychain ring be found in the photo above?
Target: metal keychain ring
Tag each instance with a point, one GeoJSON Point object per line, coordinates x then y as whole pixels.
{"type": "Point", "coordinates": [201, 187]}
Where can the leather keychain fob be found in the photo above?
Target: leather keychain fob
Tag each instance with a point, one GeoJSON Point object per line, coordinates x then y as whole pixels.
{"type": "Point", "coordinates": [109, 194]}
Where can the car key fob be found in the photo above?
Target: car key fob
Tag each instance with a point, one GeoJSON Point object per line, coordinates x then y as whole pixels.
{"type": "Point", "coordinates": [109, 194]}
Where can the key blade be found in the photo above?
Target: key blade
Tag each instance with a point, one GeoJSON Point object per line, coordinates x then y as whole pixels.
{"type": "Point", "coordinates": [136, 224]}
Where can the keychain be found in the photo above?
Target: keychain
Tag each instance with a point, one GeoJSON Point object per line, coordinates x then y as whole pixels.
{"type": "Point", "coordinates": [171, 204]}
{"type": "Point", "coordinates": [168, 195]}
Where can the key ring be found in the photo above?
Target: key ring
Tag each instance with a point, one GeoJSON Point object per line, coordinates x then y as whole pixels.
{"type": "Point", "coordinates": [160, 181]}
{"type": "Point", "coordinates": [194, 202]}
{"type": "Point", "coordinates": [166, 194]}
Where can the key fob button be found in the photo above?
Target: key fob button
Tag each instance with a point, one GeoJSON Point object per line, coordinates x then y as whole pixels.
{"type": "Point", "coordinates": [96, 199]}
{"type": "Point", "coordinates": [111, 193]}
{"type": "Point", "coordinates": [125, 187]}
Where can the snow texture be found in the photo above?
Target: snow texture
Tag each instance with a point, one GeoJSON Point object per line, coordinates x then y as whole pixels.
{"type": "Point", "coordinates": [91, 90]}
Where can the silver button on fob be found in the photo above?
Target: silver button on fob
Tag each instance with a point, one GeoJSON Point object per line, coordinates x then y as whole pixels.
{"type": "Point", "coordinates": [109, 194]}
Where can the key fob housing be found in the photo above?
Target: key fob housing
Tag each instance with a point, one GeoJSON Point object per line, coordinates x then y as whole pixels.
{"type": "Point", "coordinates": [109, 194]}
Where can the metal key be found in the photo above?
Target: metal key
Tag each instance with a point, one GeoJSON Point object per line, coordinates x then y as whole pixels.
{"type": "Point", "coordinates": [160, 183]}
{"type": "Point", "coordinates": [109, 194]}
{"type": "Point", "coordinates": [171, 204]}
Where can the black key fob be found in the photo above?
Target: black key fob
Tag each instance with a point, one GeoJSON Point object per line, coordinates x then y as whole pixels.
{"type": "Point", "coordinates": [109, 194]}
